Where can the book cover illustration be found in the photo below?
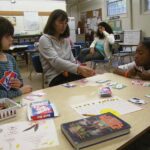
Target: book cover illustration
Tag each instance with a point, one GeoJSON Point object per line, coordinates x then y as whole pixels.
{"type": "Point", "coordinates": [41, 109]}
{"type": "Point", "coordinates": [5, 80]}
{"type": "Point", "coordinates": [94, 127]}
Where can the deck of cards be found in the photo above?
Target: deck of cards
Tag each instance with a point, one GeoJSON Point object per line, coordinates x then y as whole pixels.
{"type": "Point", "coordinates": [105, 92]}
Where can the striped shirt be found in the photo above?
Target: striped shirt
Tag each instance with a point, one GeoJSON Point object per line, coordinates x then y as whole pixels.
{"type": "Point", "coordinates": [9, 65]}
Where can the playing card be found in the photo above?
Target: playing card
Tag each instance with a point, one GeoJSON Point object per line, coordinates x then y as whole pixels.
{"type": "Point", "coordinates": [102, 81]}
{"type": "Point", "coordinates": [68, 85]}
{"type": "Point", "coordinates": [137, 100]}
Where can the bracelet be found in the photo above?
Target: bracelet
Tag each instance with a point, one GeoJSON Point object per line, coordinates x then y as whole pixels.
{"type": "Point", "coordinates": [126, 74]}
{"type": "Point", "coordinates": [65, 74]}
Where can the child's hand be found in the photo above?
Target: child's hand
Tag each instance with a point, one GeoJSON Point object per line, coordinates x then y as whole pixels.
{"type": "Point", "coordinates": [15, 83]}
{"type": "Point", "coordinates": [26, 89]}
{"type": "Point", "coordinates": [144, 75]}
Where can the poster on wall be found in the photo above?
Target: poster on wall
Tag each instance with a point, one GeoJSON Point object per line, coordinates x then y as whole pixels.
{"type": "Point", "coordinates": [31, 21]}
{"type": "Point", "coordinates": [12, 20]}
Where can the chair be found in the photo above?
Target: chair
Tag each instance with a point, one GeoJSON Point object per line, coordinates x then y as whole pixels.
{"type": "Point", "coordinates": [104, 62]}
{"type": "Point", "coordinates": [76, 50]}
{"type": "Point", "coordinates": [38, 66]}
{"type": "Point", "coordinates": [82, 44]}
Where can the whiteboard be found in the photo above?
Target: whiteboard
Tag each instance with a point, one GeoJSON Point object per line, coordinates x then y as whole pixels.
{"type": "Point", "coordinates": [132, 36]}
{"type": "Point", "coordinates": [31, 21]}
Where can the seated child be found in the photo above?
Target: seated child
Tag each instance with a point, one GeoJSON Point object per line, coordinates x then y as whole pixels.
{"type": "Point", "coordinates": [141, 66]}
{"type": "Point", "coordinates": [11, 83]}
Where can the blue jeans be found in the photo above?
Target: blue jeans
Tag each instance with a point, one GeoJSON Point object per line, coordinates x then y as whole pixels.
{"type": "Point", "coordinates": [85, 55]}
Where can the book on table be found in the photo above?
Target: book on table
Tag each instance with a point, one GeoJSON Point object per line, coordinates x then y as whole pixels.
{"type": "Point", "coordinates": [41, 110]}
{"type": "Point", "coordinates": [88, 131]}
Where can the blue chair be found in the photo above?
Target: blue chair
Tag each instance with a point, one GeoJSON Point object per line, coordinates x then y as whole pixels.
{"type": "Point", "coordinates": [38, 66]}
{"type": "Point", "coordinates": [105, 61]}
{"type": "Point", "coordinates": [76, 50]}
{"type": "Point", "coordinates": [82, 44]}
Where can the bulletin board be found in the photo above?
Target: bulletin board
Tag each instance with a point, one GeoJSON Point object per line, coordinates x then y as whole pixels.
{"type": "Point", "coordinates": [91, 19]}
{"type": "Point", "coordinates": [116, 25]}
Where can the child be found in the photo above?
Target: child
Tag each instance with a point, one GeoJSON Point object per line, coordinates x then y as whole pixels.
{"type": "Point", "coordinates": [11, 83]}
{"type": "Point", "coordinates": [141, 66]}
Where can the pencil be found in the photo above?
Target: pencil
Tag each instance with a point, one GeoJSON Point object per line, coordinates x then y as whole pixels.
{"type": "Point", "coordinates": [89, 115]}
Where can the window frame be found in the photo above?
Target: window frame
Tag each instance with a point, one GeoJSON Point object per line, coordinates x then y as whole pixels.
{"type": "Point", "coordinates": [110, 2]}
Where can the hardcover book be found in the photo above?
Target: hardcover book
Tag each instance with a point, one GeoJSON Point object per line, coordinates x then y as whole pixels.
{"type": "Point", "coordinates": [84, 132]}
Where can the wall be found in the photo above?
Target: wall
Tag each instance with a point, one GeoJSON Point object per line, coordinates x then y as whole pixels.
{"type": "Point", "coordinates": [141, 19]}
{"type": "Point", "coordinates": [31, 5]}
{"type": "Point", "coordinates": [134, 19]}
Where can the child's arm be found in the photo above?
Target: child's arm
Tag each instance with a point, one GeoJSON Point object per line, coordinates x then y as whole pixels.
{"type": "Point", "coordinates": [3, 93]}
{"type": "Point", "coordinates": [14, 93]}
{"type": "Point", "coordinates": [16, 83]}
{"type": "Point", "coordinates": [10, 94]}
{"type": "Point", "coordinates": [145, 75]}
{"type": "Point", "coordinates": [127, 73]}
{"type": "Point", "coordinates": [18, 92]}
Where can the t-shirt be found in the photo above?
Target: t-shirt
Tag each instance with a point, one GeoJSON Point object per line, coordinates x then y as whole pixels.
{"type": "Point", "coordinates": [100, 47]}
{"type": "Point", "coordinates": [131, 65]}
{"type": "Point", "coordinates": [5, 68]}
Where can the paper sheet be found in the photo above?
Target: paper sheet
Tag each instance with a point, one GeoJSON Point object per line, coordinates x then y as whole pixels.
{"type": "Point", "coordinates": [114, 105]}
{"type": "Point", "coordinates": [28, 135]}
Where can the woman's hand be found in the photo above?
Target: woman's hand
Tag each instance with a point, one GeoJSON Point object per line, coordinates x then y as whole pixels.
{"type": "Point", "coordinates": [15, 83]}
{"type": "Point", "coordinates": [85, 71]}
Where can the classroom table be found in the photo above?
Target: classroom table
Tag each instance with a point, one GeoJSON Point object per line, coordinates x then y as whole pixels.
{"type": "Point", "coordinates": [65, 97]}
{"type": "Point", "coordinates": [18, 49]}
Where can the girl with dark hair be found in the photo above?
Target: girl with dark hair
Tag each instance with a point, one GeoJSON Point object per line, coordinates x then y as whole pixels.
{"type": "Point", "coordinates": [55, 52]}
{"type": "Point", "coordinates": [141, 66]}
{"type": "Point", "coordinates": [11, 83]}
{"type": "Point", "coordinates": [100, 47]}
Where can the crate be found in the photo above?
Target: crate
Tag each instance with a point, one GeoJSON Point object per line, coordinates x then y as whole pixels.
{"type": "Point", "coordinates": [10, 110]}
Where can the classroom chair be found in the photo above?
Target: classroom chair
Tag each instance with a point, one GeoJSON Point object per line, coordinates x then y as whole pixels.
{"type": "Point", "coordinates": [76, 51]}
{"type": "Point", "coordinates": [38, 66]}
{"type": "Point", "coordinates": [106, 62]}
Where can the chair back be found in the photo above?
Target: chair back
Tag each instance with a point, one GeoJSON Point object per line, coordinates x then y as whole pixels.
{"type": "Point", "coordinates": [76, 50]}
{"type": "Point", "coordinates": [37, 64]}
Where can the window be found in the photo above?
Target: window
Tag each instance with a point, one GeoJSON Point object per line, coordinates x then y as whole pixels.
{"type": "Point", "coordinates": [147, 5]}
{"type": "Point", "coordinates": [116, 7]}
